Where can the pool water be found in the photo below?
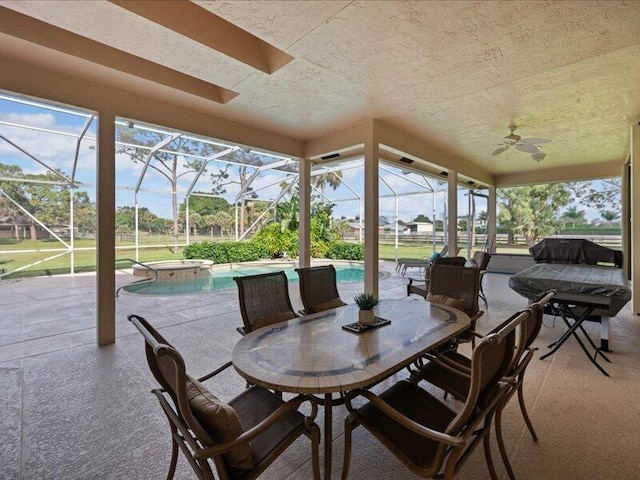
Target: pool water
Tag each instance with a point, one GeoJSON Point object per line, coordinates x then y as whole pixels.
{"type": "Point", "coordinates": [221, 279]}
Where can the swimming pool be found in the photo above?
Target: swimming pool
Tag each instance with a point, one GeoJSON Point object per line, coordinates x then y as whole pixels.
{"type": "Point", "coordinates": [223, 278]}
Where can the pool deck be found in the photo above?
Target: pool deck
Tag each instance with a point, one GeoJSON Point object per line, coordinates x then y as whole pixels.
{"type": "Point", "coordinates": [53, 313]}
{"type": "Point", "coordinates": [74, 411]}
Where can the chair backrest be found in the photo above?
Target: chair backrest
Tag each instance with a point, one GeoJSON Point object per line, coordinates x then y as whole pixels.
{"type": "Point", "coordinates": [490, 361]}
{"type": "Point", "coordinates": [454, 261]}
{"type": "Point", "coordinates": [481, 259]}
{"type": "Point", "coordinates": [167, 366]}
{"type": "Point", "coordinates": [264, 300]}
{"type": "Point", "coordinates": [318, 288]}
{"type": "Point", "coordinates": [456, 282]}
{"type": "Point", "coordinates": [535, 323]}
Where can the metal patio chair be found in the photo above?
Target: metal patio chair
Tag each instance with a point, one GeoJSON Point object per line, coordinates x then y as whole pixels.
{"type": "Point", "coordinates": [420, 286]}
{"type": "Point", "coordinates": [459, 287]}
{"type": "Point", "coordinates": [438, 371]}
{"type": "Point", "coordinates": [425, 434]}
{"type": "Point", "coordinates": [318, 289]}
{"type": "Point", "coordinates": [264, 300]}
{"type": "Point", "coordinates": [242, 437]}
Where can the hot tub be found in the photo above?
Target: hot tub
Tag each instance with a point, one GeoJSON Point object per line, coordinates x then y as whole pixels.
{"type": "Point", "coordinates": [175, 270]}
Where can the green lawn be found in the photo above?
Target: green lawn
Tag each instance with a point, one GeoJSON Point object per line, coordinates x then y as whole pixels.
{"type": "Point", "coordinates": [12, 256]}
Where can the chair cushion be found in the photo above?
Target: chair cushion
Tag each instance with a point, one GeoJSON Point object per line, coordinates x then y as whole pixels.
{"type": "Point", "coordinates": [220, 422]}
{"type": "Point", "coordinates": [445, 300]}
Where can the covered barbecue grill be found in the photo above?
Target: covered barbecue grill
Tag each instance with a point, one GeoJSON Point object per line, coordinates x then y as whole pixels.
{"type": "Point", "coordinates": [574, 251]}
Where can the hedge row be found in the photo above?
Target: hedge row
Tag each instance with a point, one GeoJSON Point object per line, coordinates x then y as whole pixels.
{"type": "Point", "coordinates": [234, 252]}
{"type": "Point", "coordinates": [345, 251]}
{"type": "Point", "coordinates": [226, 252]}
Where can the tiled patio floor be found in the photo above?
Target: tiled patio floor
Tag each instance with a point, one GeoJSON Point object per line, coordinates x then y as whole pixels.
{"type": "Point", "coordinates": [72, 410]}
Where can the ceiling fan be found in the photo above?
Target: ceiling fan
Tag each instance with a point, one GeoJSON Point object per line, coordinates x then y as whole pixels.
{"type": "Point", "coordinates": [526, 145]}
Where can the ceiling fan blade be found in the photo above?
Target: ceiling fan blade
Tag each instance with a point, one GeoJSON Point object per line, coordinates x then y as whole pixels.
{"type": "Point", "coordinates": [528, 148]}
{"type": "Point", "coordinates": [535, 141]}
{"type": "Point", "coordinates": [500, 150]}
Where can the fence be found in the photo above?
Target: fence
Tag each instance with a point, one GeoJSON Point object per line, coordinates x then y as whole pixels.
{"type": "Point", "coordinates": [612, 241]}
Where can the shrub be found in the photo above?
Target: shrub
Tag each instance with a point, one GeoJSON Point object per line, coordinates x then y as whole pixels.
{"type": "Point", "coordinates": [319, 249]}
{"type": "Point", "coordinates": [226, 252]}
{"type": "Point", "coordinates": [276, 241]}
{"type": "Point", "coordinates": [345, 251]}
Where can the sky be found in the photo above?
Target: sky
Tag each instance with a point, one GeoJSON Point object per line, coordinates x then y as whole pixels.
{"type": "Point", "coordinates": [57, 150]}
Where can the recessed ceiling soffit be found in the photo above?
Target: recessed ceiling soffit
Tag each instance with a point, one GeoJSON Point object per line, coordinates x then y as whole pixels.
{"type": "Point", "coordinates": [197, 23]}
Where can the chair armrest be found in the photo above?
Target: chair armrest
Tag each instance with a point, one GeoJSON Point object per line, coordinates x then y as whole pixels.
{"type": "Point", "coordinates": [261, 427]}
{"type": "Point", "coordinates": [475, 317]}
{"type": "Point", "coordinates": [215, 372]}
{"type": "Point", "coordinates": [407, 423]}
{"type": "Point", "coordinates": [450, 366]}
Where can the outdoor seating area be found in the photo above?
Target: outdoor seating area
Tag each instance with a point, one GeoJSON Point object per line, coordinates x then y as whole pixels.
{"type": "Point", "coordinates": [58, 384]}
{"type": "Point", "coordinates": [299, 240]}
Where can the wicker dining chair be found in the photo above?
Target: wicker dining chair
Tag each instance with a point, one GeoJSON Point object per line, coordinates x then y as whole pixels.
{"type": "Point", "coordinates": [420, 286]}
{"type": "Point", "coordinates": [431, 439]}
{"type": "Point", "coordinates": [459, 287]}
{"type": "Point", "coordinates": [264, 300]}
{"type": "Point", "coordinates": [318, 289]}
{"type": "Point", "coordinates": [438, 371]}
{"type": "Point", "coordinates": [242, 437]}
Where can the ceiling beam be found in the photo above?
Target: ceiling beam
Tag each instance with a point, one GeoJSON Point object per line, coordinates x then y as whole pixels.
{"type": "Point", "coordinates": [197, 23]}
{"type": "Point", "coordinates": [40, 33]}
{"type": "Point", "coordinates": [569, 173]}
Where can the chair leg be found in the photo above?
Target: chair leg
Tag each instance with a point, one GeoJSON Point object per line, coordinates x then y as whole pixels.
{"type": "Point", "coordinates": [174, 459]}
{"type": "Point", "coordinates": [523, 409]}
{"type": "Point", "coordinates": [346, 461]}
{"type": "Point", "coordinates": [501, 447]}
{"type": "Point", "coordinates": [315, 452]}
{"type": "Point", "coordinates": [487, 452]}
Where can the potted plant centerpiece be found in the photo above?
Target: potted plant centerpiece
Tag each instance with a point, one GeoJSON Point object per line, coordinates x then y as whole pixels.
{"type": "Point", "coordinates": [366, 302]}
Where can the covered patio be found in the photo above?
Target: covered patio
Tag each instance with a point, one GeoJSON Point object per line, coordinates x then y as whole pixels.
{"type": "Point", "coordinates": [432, 87]}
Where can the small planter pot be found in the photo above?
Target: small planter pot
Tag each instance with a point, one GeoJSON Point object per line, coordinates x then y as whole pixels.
{"type": "Point", "coordinates": [366, 318]}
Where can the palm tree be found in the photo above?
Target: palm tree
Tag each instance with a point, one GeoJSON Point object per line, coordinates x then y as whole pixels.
{"type": "Point", "coordinates": [574, 216]}
{"type": "Point", "coordinates": [609, 216]}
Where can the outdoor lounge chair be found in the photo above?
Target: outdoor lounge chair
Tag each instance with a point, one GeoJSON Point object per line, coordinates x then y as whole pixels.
{"type": "Point", "coordinates": [242, 437]}
{"type": "Point", "coordinates": [264, 300]}
{"type": "Point", "coordinates": [438, 371]}
{"type": "Point", "coordinates": [318, 289]}
{"type": "Point", "coordinates": [423, 263]}
{"type": "Point", "coordinates": [424, 433]}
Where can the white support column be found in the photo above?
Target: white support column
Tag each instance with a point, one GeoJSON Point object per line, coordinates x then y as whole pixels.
{"type": "Point", "coordinates": [625, 218]}
{"type": "Point", "coordinates": [371, 217]}
{"type": "Point", "coordinates": [635, 216]}
{"type": "Point", "coordinates": [452, 207]}
{"type": "Point", "coordinates": [106, 203]}
{"type": "Point", "coordinates": [304, 227]}
{"type": "Point", "coordinates": [492, 218]}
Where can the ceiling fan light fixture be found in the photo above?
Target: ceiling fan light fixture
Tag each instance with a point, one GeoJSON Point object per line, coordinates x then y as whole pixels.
{"type": "Point", "coordinates": [539, 156]}
{"type": "Point", "coordinates": [512, 138]}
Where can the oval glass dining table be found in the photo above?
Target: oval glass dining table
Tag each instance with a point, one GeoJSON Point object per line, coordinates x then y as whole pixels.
{"type": "Point", "coordinates": [315, 355]}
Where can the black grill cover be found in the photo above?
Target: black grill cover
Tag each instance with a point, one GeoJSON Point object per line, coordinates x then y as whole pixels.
{"type": "Point", "coordinates": [574, 250]}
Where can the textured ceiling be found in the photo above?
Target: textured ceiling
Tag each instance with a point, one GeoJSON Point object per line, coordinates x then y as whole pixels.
{"type": "Point", "coordinates": [455, 74]}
